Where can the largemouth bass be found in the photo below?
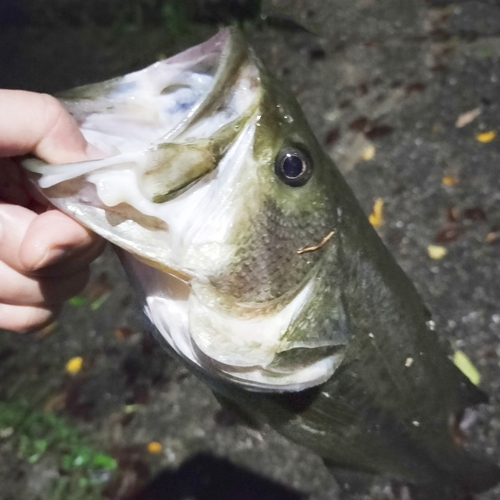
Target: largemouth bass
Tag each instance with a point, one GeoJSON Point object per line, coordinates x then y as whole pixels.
{"type": "Point", "coordinates": [260, 270]}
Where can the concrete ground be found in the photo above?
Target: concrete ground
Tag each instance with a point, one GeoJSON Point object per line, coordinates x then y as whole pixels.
{"type": "Point", "coordinates": [382, 85]}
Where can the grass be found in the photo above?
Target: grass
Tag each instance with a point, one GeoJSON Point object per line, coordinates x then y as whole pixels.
{"type": "Point", "coordinates": [34, 435]}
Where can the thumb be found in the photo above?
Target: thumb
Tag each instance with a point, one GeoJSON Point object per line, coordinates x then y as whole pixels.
{"type": "Point", "coordinates": [39, 124]}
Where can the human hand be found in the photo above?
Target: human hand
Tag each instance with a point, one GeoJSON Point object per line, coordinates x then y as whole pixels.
{"type": "Point", "coordinates": [44, 254]}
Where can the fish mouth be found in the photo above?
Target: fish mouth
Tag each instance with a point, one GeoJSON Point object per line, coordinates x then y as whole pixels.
{"type": "Point", "coordinates": [178, 136]}
{"type": "Point", "coordinates": [165, 132]}
{"type": "Point", "coordinates": [169, 118]}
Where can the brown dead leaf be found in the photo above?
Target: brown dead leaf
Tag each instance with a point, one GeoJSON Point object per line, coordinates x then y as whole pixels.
{"type": "Point", "coordinates": [46, 331]}
{"type": "Point", "coordinates": [467, 117]}
{"type": "Point", "coordinates": [414, 88]}
{"type": "Point", "coordinates": [98, 288]}
{"type": "Point", "coordinates": [123, 332]}
{"type": "Point", "coordinates": [453, 214]}
{"type": "Point", "coordinates": [55, 403]}
{"type": "Point", "coordinates": [332, 136]}
{"type": "Point", "coordinates": [492, 237]}
{"type": "Point", "coordinates": [475, 214]}
{"type": "Point", "coordinates": [448, 234]}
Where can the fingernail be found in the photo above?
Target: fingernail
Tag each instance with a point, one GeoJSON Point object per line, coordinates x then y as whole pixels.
{"type": "Point", "coordinates": [52, 256]}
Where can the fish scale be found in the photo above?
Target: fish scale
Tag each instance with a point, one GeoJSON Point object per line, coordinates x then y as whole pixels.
{"type": "Point", "coordinates": [266, 278]}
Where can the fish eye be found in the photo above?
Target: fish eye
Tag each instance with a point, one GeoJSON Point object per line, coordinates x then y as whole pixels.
{"type": "Point", "coordinates": [293, 166]}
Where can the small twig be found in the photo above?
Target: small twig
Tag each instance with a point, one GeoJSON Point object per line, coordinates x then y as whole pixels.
{"type": "Point", "coordinates": [318, 246]}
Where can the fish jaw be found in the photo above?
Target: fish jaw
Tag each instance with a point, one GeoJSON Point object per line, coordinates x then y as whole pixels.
{"type": "Point", "coordinates": [157, 149]}
{"type": "Point", "coordinates": [169, 302]}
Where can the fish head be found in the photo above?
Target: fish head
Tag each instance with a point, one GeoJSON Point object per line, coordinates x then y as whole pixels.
{"type": "Point", "coordinates": [224, 207]}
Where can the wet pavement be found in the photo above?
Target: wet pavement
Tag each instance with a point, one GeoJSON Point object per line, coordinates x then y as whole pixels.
{"type": "Point", "coordinates": [383, 85]}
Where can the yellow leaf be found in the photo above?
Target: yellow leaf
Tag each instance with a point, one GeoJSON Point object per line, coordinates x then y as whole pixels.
{"type": "Point", "coordinates": [464, 364]}
{"type": "Point", "coordinates": [376, 218]}
{"type": "Point", "coordinates": [436, 252]}
{"type": "Point", "coordinates": [449, 180]}
{"type": "Point", "coordinates": [74, 365]}
{"type": "Point", "coordinates": [486, 136]}
{"type": "Point", "coordinates": [154, 447]}
{"type": "Point", "coordinates": [368, 153]}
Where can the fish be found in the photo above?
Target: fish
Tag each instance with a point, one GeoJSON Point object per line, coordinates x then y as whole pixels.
{"type": "Point", "coordinates": [259, 269]}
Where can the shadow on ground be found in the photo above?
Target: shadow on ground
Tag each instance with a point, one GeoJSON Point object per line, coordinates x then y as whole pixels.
{"type": "Point", "coordinates": [207, 477]}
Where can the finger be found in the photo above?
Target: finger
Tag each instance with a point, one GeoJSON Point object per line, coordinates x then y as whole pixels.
{"type": "Point", "coordinates": [14, 222]}
{"type": "Point", "coordinates": [18, 289]}
{"type": "Point", "coordinates": [56, 244]}
{"type": "Point", "coordinates": [24, 319]}
{"type": "Point", "coordinates": [39, 124]}
{"type": "Point", "coordinates": [50, 244]}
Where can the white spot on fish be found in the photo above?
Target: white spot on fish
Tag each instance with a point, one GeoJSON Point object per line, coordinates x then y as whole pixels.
{"type": "Point", "coordinates": [313, 430]}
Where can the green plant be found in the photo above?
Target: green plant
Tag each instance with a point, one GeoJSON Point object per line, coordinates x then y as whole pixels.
{"type": "Point", "coordinates": [36, 434]}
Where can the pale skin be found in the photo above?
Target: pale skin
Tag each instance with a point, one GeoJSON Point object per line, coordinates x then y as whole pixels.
{"type": "Point", "coordinates": [44, 254]}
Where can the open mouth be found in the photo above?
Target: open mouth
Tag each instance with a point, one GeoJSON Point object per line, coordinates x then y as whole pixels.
{"type": "Point", "coordinates": [170, 132]}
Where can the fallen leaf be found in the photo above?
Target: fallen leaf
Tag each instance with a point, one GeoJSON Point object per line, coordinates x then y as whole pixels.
{"type": "Point", "coordinates": [448, 233]}
{"type": "Point", "coordinates": [55, 403]}
{"type": "Point", "coordinates": [361, 90]}
{"type": "Point", "coordinates": [317, 53]}
{"type": "Point", "coordinates": [464, 364]}
{"type": "Point", "coordinates": [436, 252]}
{"type": "Point", "coordinates": [74, 365]}
{"type": "Point", "coordinates": [368, 153]}
{"type": "Point", "coordinates": [378, 131]}
{"type": "Point", "coordinates": [492, 237]}
{"type": "Point", "coordinates": [332, 136]}
{"type": "Point", "coordinates": [46, 331]}
{"type": "Point", "coordinates": [453, 214]}
{"type": "Point", "coordinates": [123, 332]}
{"type": "Point", "coordinates": [154, 447]}
{"type": "Point", "coordinates": [467, 117]}
{"type": "Point", "coordinates": [373, 43]}
{"type": "Point", "coordinates": [359, 124]}
{"type": "Point", "coordinates": [485, 137]}
{"type": "Point", "coordinates": [376, 217]}
{"type": "Point", "coordinates": [475, 213]}
{"type": "Point", "coordinates": [415, 88]}
{"type": "Point", "coordinates": [450, 180]}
